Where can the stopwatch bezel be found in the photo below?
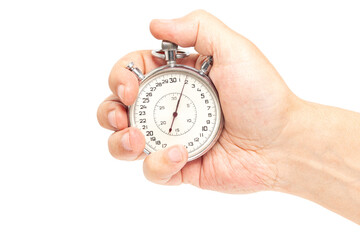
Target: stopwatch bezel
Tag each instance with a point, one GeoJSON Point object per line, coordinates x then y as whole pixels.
{"type": "Point", "coordinates": [197, 73]}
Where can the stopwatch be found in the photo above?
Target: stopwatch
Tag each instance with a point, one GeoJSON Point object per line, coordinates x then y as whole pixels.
{"type": "Point", "coordinates": [176, 104]}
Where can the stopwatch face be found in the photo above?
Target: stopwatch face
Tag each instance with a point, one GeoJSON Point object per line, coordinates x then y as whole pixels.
{"type": "Point", "coordinates": [177, 106]}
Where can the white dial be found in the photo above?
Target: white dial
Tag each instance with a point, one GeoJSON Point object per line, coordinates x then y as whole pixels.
{"type": "Point", "coordinates": [176, 106]}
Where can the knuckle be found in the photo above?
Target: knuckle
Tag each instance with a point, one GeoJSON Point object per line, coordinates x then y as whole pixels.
{"type": "Point", "coordinates": [151, 169]}
{"type": "Point", "coordinates": [118, 152]}
{"type": "Point", "coordinates": [113, 76]}
{"type": "Point", "coordinates": [134, 56]}
{"type": "Point", "coordinates": [130, 56]}
{"type": "Point", "coordinates": [114, 147]}
{"type": "Point", "coordinates": [148, 167]}
{"type": "Point", "coordinates": [200, 13]}
{"type": "Point", "coordinates": [100, 114]}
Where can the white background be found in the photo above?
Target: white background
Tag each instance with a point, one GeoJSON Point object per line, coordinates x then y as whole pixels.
{"type": "Point", "coordinates": [57, 179]}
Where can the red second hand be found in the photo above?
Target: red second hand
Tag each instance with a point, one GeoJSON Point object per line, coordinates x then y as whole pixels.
{"type": "Point", "coordinates": [175, 114]}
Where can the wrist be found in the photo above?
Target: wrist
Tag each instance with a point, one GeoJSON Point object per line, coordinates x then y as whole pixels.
{"type": "Point", "coordinates": [318, 157]}
{"type": "Point", "coordinates": [297, 148]}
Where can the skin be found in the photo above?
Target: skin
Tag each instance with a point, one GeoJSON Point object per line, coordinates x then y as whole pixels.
{"type": "Point", "coordinates": [272, 140]}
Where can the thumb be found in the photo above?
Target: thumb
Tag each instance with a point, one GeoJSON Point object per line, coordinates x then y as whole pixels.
{"type": "Point", "coordinates": [199, 29]}
{"type": "Point", "coordinates": [164, 166]}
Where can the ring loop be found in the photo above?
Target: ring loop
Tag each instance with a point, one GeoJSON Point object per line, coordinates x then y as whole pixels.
{"type": "Point", "coordinates": [161, 53]}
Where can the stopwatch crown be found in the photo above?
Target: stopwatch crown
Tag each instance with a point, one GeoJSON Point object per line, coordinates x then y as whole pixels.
{"type": "Point", "coordinates": [170, 52]}
{"type": "Point", "coordinates": [169, 46]}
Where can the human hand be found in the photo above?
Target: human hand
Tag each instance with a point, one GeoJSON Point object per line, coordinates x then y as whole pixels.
{"type": "Point", "coordinates": [255, 102]}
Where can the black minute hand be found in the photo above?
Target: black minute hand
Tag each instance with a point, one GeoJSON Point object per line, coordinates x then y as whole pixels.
{"type": "Point", "coordinates": [177, 106]}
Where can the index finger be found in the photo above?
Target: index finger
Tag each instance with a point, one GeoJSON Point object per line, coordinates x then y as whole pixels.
{"type": "Point", "coordinates": [122, 82]}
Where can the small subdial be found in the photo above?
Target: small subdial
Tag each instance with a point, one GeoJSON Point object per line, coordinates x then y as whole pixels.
{"type": "Point", "coordinates": [175, 122]}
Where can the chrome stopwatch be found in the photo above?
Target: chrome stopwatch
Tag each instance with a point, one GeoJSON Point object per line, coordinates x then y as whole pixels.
{"type": "Point", "coordinates": [177, 104]}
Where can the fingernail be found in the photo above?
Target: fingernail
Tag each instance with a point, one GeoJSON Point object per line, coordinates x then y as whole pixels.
{"type": "Point", "coordinates": [125, 140]}
{"type": "Point", "coordinates": [112, 118]}
{"type": "Point", "coordinates": [175, 155]}
{"type": "Point", "coordinates": [121, 91]}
